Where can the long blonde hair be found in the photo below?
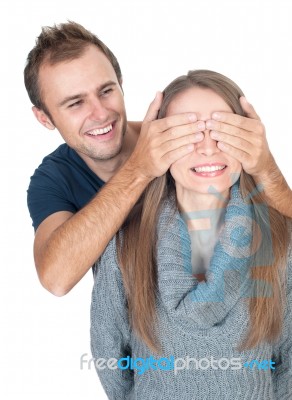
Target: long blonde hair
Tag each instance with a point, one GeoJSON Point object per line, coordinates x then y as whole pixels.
{"type": "Point", "coordinates": [137, 247]}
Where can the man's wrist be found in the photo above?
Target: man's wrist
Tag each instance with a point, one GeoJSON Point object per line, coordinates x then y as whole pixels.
{"type": "Point", "coordinates": [268, 172]}
{"type": "Point", "coordinates": [137, 174]}
{"type": "Point", "coordinates": [275, 188]}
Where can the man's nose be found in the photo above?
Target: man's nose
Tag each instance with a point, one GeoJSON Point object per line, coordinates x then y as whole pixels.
{"type": "Point", "coordinates": [207, 146]}
{"type": "Point", "coordinates": [97, 111]}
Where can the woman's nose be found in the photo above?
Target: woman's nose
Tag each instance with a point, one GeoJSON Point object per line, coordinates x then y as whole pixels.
{"type": "Point", "coordinates": [207, 146]}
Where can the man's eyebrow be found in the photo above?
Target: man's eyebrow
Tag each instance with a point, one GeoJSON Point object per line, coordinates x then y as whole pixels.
{"type": "Point", "coordinates": [82, 95]}
{"type": "Point", "coordinates": [71, 98]}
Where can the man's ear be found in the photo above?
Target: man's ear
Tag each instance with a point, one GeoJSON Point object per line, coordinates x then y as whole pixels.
{"type": "Point", "coordinates": [42, 117]}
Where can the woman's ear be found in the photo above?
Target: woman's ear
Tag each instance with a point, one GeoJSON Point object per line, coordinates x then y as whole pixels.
{"type": "Point", "coordinates": [42, 117]}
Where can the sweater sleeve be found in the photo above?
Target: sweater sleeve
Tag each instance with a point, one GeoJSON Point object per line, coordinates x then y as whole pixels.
{"type": "Point", "coordinates": [282, 375]}
{"type": "Point", "coordinates": [110, 332]}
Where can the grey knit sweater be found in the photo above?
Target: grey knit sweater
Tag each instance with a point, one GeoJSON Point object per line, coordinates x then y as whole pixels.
{"type": "Point", "coordinates": [199, 325]}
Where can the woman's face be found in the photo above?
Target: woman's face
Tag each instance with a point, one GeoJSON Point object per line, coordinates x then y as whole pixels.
{"type": "Point", "coordinates": [207, 169]}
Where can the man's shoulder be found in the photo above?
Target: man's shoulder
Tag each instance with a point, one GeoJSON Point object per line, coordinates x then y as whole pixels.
{"type": "Point", "coordinates": [63, 153]}
{"type": "Point", "coordinates": [55, 166]}
{"type": "Point", "coordinates": [62, 182]}
{"type": "Point", "coordinates": [64, 162]}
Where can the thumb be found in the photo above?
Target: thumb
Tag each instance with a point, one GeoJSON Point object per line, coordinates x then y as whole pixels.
{"type": "Point", "coordinates": [248, 108]}
{"type": "Point", "coordinates": [154, 107]}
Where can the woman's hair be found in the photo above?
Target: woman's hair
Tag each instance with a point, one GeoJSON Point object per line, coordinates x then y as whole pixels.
{"type": "Point", "coordinates": [137, 250]}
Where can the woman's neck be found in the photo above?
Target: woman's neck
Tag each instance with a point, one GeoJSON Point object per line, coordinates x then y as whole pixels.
{"type": "Point", "coordinates": [204, 216]}
{"type": "Point", "coordinates": [200, 206]}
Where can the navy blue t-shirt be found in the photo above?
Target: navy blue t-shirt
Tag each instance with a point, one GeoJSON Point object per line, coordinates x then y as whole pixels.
{"type": "Point", "coordinates": [63, 182]}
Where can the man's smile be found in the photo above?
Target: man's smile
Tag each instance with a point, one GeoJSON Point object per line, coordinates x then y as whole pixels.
{"type": "Point", "coordinates": [100, 131]}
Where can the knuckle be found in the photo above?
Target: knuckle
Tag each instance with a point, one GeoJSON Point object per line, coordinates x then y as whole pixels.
{"type": "Point", "coordinates": [190, 139]}
{"type": "Point", "coordinates": [220, 126]}
{"type": "Point", "coordinates": [191, 128]}
{"type": "Point", "coordinates": [245, 158]}
{"type": "Point", "coordinates": [259, 143]}
{"type": "Point", "coordinates": [241, 122]}
{"type": "Point", "coordinates": [240, 142]}
{"type": "Point", "coordinates": [167, 160]}
{"type": "Point", "coordinates": [261, 129]}
{"type": "Point", "coordinates": [167, 146]}
{"type": "Point", "coordinates": [238, 133]}
{"type": "Point", "coordinates": [166, 124]}
{"type": "Point", "coordinates": [171, 131]}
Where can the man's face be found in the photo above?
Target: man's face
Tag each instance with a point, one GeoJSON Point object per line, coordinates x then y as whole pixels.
{"type": "Point", "coordinates": [86, 104]}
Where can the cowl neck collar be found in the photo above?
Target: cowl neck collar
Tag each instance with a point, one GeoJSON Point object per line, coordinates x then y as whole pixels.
{"type": "Point", "coordinates": [227, 278]}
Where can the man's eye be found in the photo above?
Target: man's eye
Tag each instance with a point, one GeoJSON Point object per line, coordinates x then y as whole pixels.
{"type": "Point", "coordinates": [76, 103]}
{"type": "Point", "coordinates": [106, 91]}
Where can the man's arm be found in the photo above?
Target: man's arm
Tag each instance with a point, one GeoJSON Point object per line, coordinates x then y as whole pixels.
{"type": "Point", "coordinates": [245, 139]}
{"type": "Point", "coordinates": [67, 245]}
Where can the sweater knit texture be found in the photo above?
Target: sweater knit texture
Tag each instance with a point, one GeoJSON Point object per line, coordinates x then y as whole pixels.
{"type": "Point", "coordinates": [200, 324]}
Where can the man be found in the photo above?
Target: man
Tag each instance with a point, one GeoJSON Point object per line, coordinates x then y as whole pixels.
{"type": "Point", "coordinates": [75, 84]}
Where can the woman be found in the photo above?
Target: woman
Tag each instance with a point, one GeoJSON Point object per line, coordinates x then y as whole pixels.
{"type": "Point", "coordinates": [194, 293]}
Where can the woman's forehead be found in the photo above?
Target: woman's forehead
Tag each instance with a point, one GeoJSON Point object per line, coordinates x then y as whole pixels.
{"type": "Point", "coordinates": [202, 101]}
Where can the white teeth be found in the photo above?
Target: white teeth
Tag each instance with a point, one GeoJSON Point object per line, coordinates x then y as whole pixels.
{"type": "Point", "coordinates": [96, 132]}
{"type": "Point", "coordinates": [209, 168]}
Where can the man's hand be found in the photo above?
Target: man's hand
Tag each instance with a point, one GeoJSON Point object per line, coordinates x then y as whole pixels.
{"type": "Point", "coordinates": [164, 141]}
{"type": "Point", "coordinates": [244, 138]}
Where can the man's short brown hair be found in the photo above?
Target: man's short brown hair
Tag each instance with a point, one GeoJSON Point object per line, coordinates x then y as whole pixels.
{"type": "Point", "coordinates": [63, 42]}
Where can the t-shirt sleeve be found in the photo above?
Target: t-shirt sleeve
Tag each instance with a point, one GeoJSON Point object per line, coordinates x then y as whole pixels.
{"type": "Point", "coordinates": [46, 195]}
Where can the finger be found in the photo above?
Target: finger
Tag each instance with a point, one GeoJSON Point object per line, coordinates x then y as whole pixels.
{"type": "Point", "coordinates": [172, 156]}
{"type": "Point", "coordinates": [234, 124]}
{"type": "Point", "coordinates": [238, 142]}
{"type": "Point", "coordinates": [217, 128]}
{"type": "Point", "coordinates": [154, 107]}
{"type": "Point", "coordinates": [227, 134]}
{"type": "Point", "coordinates": [171, 145]}
{"type": "Point", "coordinates": [248, 108]}
{"type": "Point", "coordinates": [173, 121]}
{"type": "Point", "coordinates": [234, 152]}
{"type": "Point", "coordinates": [183, 130]}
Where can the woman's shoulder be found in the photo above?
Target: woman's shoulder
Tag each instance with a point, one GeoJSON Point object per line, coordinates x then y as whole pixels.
{"type": "Point", "coordinates": [170, 220]}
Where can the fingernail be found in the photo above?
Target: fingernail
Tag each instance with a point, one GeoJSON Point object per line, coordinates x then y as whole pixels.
{"type": "Point", "coordinates": [201, 125]}
{"type": "Point", "coordinates": [190, 147]}
{"type": "Point", "coordinates": [209, 124]}
{"type": "Point", "coordinates": [221, 146]}
{"type": "Point", "coordinates": [199, 136]}
{"type": "Point", "coordinates": [192, 117]}
{"type": "Point", "coordinates": [214, 135]}
{"type": "Point", "coordinates": [216, 116]}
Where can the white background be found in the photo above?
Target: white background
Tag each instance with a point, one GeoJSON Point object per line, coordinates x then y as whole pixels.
{"type": "Point", "coordinates": [42, 336]}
